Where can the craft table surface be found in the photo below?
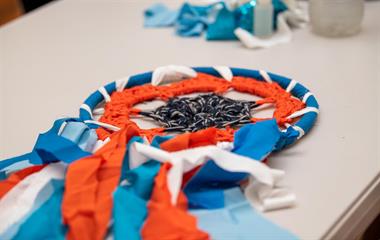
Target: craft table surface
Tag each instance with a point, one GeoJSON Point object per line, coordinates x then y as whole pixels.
{"type": "Point", "coordinates": [53, 58]}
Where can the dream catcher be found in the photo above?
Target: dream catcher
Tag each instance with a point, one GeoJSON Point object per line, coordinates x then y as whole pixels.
{"type": "Point", "coordinates": [199, 172]}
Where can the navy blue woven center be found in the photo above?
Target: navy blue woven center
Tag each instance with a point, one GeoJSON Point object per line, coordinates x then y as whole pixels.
{"type": "Point", "coordinates": [209, 110]}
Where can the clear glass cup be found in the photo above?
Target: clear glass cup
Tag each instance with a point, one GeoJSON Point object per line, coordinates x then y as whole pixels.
{"type": "Point", "coordinates": [336, 18]}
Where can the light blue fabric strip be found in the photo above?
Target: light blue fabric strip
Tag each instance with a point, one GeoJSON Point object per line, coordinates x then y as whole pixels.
{"type": "Point", "coordinates": [47, 190]}
{"type": "Point", "coordinates": [17, 166]}
{"type": "Point", "coordinates": [46, 221]}
{"type": "Point", "coordinates": [238, 221]}
{"type": "Point", "coordinates": [158, 15]}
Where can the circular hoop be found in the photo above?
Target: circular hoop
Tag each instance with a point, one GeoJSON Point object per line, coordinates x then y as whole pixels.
{"type": "Point", "coordinates": [308, 115]}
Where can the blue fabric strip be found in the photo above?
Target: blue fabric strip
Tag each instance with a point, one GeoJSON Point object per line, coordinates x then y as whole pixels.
{"type": "Point", "coordinates": [255, 141]}
{"type": "Point", "coordinates": [51, 147]}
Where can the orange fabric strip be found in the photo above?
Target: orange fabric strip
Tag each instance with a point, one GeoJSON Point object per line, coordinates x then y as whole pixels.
{"type": "Point", "coordinates": [7, 184]}
{"type": "Point", "coordinates": [191, 140]}
{"type": "Point", "coordinates": [87, 202]}
{"type": "Point", "coordinates": [166, 221]}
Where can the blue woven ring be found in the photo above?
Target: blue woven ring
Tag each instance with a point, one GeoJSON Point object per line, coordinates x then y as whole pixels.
{"type": "Point", "coordinates": [305, 123]}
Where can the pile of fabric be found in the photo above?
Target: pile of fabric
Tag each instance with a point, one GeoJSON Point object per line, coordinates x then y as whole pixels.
{"type": "Point", "coordinates": [89, 179]}
{"type": "Point", "coordinates": [226, 20]}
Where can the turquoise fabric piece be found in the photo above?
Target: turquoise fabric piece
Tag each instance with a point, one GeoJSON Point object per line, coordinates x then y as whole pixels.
{"type": "Point", "coordinates": [158, 15]}
{"type": "Point", "coordinates": [223, 27]}
{"type": "Point", "coordinates": [192, 20]}
{"type": "Point", "coordinates": [238, 221]}
{"type": "Point", "coordinates": [256, 141]}
{"type": "Point", "coordinates": [216, 19]}
{"type": "Point", "coordinates": [131, 198]}
{"type": "Point", "coordinates": [245, 14]}
{"type": "Point", "coordinates": [46, 221]}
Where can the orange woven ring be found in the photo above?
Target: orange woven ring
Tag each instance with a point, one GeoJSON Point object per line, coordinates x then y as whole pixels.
{"type": "Point", "coordinates": [303, 110]}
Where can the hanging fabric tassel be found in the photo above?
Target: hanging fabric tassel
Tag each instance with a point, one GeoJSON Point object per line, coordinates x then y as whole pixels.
{"type": "Point", "coordinates": [90, 182]}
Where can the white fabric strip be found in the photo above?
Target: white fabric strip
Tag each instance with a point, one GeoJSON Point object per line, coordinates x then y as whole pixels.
{"type": "Point", "coordinates": [171, 73]}
{"type": "Point", "coordinates": [27, 196]}
{"type": "Point", "coordinates": [105, 94]}
{"type": "Point", "coordinates": [121, 84]}
{"type": "Point", "coordinates": [265, 199]}
{"type": "Point", "coordinates": [87, 108]}
{"type": "Point", "coordinates": [228, 146]}
{"type": "Point", "coordinates": [300, 130]}
{"type": "Point", "coordinates": [266, 76]}
{"type": "Point", "coordinates": [100, 143]}
{"type": "Point", "coordinates": [291, 85]}
{"type": "Point", "coordinates": [99, 111]}
{"type": "Point", "coordinates": [306, 96]}
{"type": "Point", "coordinates": [105, 125]}
{"type": "Point", "coordinates": [225, 72]}
{"type": "Point", "coordinates": [186, 160]}
{"type": "Point", "coordinates": [297, 128]}
{"type": "Point", "coordinates": [61, 128]}
{"type": "Point", "coordinates": [282, 35]}
{"type": "Point", "coordinates": [303, 111]}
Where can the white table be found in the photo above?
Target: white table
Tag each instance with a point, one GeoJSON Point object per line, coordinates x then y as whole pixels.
{"type": "Point", "coordinates": [53, 58]}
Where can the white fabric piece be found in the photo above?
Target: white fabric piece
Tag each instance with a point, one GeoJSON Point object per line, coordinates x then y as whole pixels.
{"type": "Point", "coordinates": [186, 160]}
{"type": "Point", "coordinates": [266, 76]}
{"type": "Point", "coordinates": [228, 146]}
{"type": "Point", "coordinates": [303, 111]}
{"type": "Point", "coordinates": [297, 128]}
{"type": "Point", "coordinates": [225, 72]}
{"type": "Point", "coordinates": [300, 130]}
{"type": "Point", "coordinates": [100, 143]}
{"type": "Point", "coordinates": [61, 128]}
{"type": "Point", "coordinates": [27, 196]}
{"type": "Point", "coordinates": [105, 94]}
{"type": "Point", "coordinates": [171, 73]}
{"type": "Point", "coordinates": [105, 125]}
{"type": "Point", "coordinates": [121, 84]}
{"type": "Point", "coordinates": [99, 111]}
{"type": "Point", "coordinates": [306, 96]}
{"type": "Point", "coordinates": [265, 199]}
{"type": "Point", "coordinates": [298, 16]}
{"type": "Point", "coordinates": [87, 108]}
{"type": "Point", "coordinates": [282, 35]}
{"type": "Point", "coordinates": [291, 85]}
